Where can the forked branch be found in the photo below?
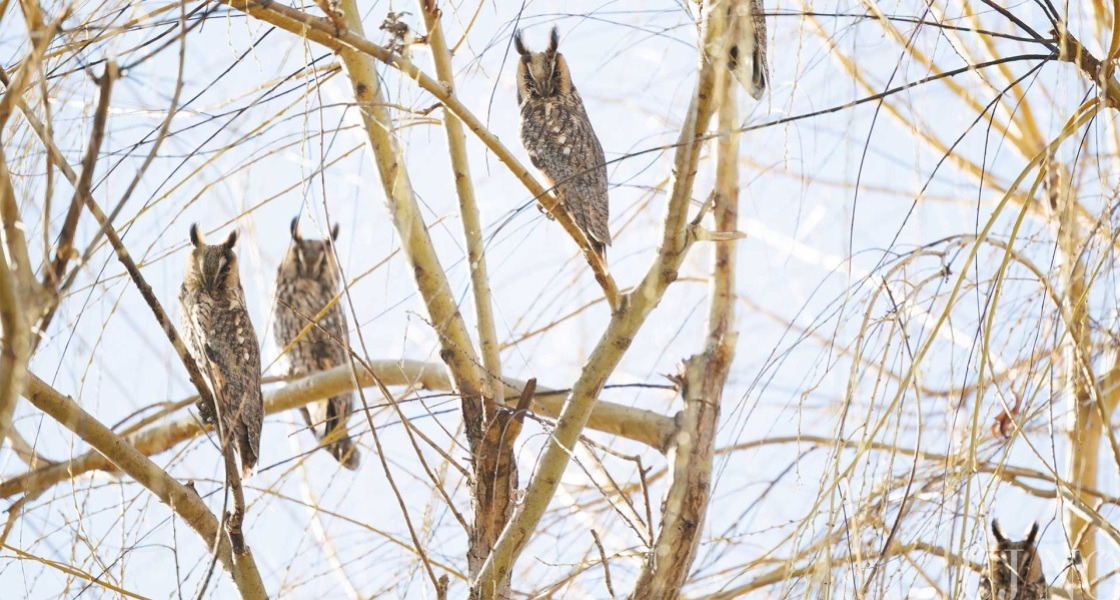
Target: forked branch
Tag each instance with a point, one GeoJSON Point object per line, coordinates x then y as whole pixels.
{"type": "Point", "coordinates": [323, 32]}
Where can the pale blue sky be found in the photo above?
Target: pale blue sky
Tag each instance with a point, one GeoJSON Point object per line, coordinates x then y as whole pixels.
{"type": "Point", "coordinates": [633, 63]}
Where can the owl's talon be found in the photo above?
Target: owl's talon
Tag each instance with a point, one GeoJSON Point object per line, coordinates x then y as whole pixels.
{"type": "Point", "coordinates": [205, 411]}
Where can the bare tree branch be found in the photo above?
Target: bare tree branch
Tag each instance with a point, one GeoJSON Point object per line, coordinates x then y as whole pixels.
{"type": "Point", "coordinates": [323, 32]}
{"type": "Point", "coordinates": [640, 425]}
{"type": "Point", "coordinates": [20, 292]}
{"type": "Point", "coordinates": [82, 188]}
{"type": "Point", "coordinates": [625, 322]}
{"type": "Point", "coordinates": [181, 499]}
{"type": "Point", "coordinates": [703, 376]}
{"type": "Point", "coordinates": [495, 470]}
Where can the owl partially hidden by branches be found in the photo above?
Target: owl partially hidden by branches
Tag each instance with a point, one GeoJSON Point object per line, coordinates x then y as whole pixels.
{"type": "Point", "coordinates": [746, 30]}
{"type": "Point", "coordinates": [307, 281]}
{"type": "Point", "coordinates": [557, 134]}
{"type": "Point", "coordinates": [1014, 570]}
{"type": "Point", "coordinates": [220, 336]}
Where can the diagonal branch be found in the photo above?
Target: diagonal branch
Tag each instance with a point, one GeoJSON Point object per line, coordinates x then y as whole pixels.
{"type": "Point", "coordinates": [625, 323]}
{"type": "Point", "coordinates": [1071, 50]}
{"type": "Point", "coordinates": [322, 31]}
{"type": "Point", "coordinates": [82, 188]}
{"type": "Point", "coordinates": [185, 502]}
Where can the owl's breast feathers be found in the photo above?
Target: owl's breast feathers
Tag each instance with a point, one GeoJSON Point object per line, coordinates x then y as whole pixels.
{"type": "Point", "coordinates": [558, 136]}
{"type": "Point", "coordinates": [300, 302]}
{"type": "Point", "coordinates": [322, 346]}
{"type": "Point", "coordinates": [223, 342]}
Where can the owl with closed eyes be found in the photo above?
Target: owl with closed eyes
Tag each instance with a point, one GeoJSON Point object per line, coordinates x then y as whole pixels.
{"type": "Point", "coordinates": [1014, 570]}
{"type": "Point", "coordinates": [306, 282]}
{"type": "Point", "coordinates": [558, 136]}
{"type": "Point", "coordinates": [221, 338]}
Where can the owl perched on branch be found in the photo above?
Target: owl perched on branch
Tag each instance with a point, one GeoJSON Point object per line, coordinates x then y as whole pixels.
{"type": "Point", "coordinates": [746, 27]}
{"type": "Point", "coordinates": [557, 134]}
{"type": "Point", "coordinates": [1014, 570]}
{"type": "Point", "coordinates": [221, 338]}
{"type": "Point", "coordinates": [307, 281]}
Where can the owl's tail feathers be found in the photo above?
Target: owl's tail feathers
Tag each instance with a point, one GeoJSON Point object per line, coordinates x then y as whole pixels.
{"type": "Point", "coordinates": [346, 453]}
{"type": "Point", "coordinates": [600, 249]}
{"type": "Point", "coordinates": [248, 451]}
{"type": "Point", "coordinates": [759, 78]}
{"type": "Point", "coordinates": [594, 226]}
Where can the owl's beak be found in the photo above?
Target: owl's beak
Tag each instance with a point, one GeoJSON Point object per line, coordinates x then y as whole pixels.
{"type": "Point", "coordinates": [211, 283]}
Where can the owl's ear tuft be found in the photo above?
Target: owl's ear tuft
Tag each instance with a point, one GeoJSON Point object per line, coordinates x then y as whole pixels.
{"type": "Point", "coordinates": [1032, 535]}
{"type": "Point", "coordinates": [553, 40]}
{"type": "Point", "coordinates": [295, 229]}
{"type": "Point", "coordinates": [231, 241]}
{"type": "Point", "coordinates": [519, 44]}
{"type": "Point", "coordinates": [334, 232]}
{"type": "Point", "coordinates": [196, 239]}
{"type": "Point", "coordinates": [996, 532]}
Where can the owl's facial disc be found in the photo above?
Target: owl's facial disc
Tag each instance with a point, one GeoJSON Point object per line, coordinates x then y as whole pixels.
{"type": "Point", "coordinates": [541, 70]}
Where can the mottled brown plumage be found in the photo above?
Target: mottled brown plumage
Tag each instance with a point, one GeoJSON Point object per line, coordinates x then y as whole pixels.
{"type": "Point", "coordinates": [307, 280]}
{"type": "Point", "coordinates": [746, 28]}
{"type": "Point", "coordinates": [1014, 570]}
{"type": "Point", "coordinates": [561, 143]}
{"type": "Point", "coordinates": [220, 336]}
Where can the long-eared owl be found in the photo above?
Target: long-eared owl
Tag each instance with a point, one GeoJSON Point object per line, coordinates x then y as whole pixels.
{"type": "Point", "coordinates": [558, 136]}
{"type": "Point", "coordinates": [1014, 570]}
{"type": "Point", "coordinates": [220, 336]}
{"type": "Point", "coordinates": [306, 282]}
{"type": "Point", "coordinates": [746, 28]}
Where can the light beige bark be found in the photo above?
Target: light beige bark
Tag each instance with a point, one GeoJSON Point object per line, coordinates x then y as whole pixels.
{"type": "Point", "coordinates": [1089, 410]}
{"type": "Point", "coordinates": [492, 444]}
{"type": "Point", "coordinates": [703, 376]}
{"type": "Point", "coordinates": [20, 292]}
{"type": "Point", "coordinates": [184, 501]}
{"type": "Point", "coordinates": [636, 306]}
{"type": "Point", "coordinates": [323, 31]}
{"type": "Point", "coordinates": [640, 425]}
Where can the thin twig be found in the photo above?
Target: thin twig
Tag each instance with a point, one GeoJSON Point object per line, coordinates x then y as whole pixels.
{"type": "Point", "coordinates": [323, 32]}
{"type": "Point", "coordinates": [186, 503]}
{"type": "Point", "coordinates": [65, 249]}
{"type": "Point", "coordinates": [603, 560]}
